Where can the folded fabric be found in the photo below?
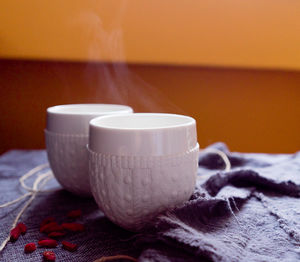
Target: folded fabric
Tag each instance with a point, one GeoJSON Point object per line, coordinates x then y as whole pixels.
{"type": "Point", "coordinates": [251, 213]}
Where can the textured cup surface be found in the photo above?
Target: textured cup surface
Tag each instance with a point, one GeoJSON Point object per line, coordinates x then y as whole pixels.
{"type": "Point", "coordinates": [133, 190]}
{"type": "Point", "coordinates": [68, 158]}
{"type": "Point", "coordinates": [142, 174]}
{"type": "Point", "coordinates": [66, 139]}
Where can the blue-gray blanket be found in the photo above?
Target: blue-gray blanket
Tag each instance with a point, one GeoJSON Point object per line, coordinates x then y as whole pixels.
{"type": "Point", "coordinates": [251, 213]}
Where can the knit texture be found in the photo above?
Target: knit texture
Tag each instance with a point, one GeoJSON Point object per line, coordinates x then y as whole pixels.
{"type": "Point", "coordinates": [68, 159]}
{"type": "Point", "coordinates": [251, 213]}
{"type": "Point", "coordinates": [131, 190]}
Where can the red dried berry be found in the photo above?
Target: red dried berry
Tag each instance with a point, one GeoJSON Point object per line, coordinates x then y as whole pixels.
{"type": "Point", "coordinates": [51, 227]}
{"type": "Point", "coordinates": [74, 213]}
{"type": "Point", "coordinates": [46, 226]}
{"type": "Point", "coordinates": [22, 227]}
{"type": "Point", "coordinates": [47, 243]}
{"type": "Point", "coordinates": [56, 234]}
{"type": "Point", "coordinates": [74, 227]}
{"type": "Point", "coordinates": [29, 248]}
{"type": "Point", "coordinates": [69, 246]}
{"type": "Point", "coordinates": [49, 255]}
{"type": "Point", "coordinates": [46, 221]}
{"type": "Point", "coordinates": [15, 233]}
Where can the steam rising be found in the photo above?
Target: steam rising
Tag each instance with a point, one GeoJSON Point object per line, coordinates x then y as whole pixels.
{"type": "Point", "coordinates": [115, 82]}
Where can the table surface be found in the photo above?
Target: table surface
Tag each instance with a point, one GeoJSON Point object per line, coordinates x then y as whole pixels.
{"type": "Point", "coordinates": [251, 213]}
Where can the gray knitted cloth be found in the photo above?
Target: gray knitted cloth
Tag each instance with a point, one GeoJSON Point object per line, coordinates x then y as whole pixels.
{"type": "Point", "coordinates": [251, 213]}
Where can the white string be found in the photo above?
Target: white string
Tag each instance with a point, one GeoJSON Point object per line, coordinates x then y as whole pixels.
{"type": "Point", "coordinates": [41, 181]}
{"type": "Point", "coordinates": [222, 155]}
{"type": "Point", "coordinates": [16, 200]}
{"type": "Point", "coordinates": [29, 174]}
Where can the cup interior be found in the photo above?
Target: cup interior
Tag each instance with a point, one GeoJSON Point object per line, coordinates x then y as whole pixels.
{"type": "Point", "coordinates": [87, 109]}
{"type": "Point", "coordinates": [143, 134]}
{"type": "Point", "coordinates": [143, 121]}
{"type": "Point", "coordinates": [74, 118]}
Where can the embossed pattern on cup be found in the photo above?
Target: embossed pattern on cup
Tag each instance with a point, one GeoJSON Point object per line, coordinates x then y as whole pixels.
{"type": "Point", "coordinates": [66, 139]}
{"type": "Point", "coordinates": [133, 190]}
{"type": "Point", "coordinates": [131, 184]}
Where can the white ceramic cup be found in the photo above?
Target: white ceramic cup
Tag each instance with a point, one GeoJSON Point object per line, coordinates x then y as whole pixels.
{"type": "Point", "coordinates": [66, 139]}
{"type": "Point", "coordinates": [142, 164]}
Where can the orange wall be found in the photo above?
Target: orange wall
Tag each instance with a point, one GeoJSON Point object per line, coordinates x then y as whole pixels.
{"type": "Point", "coordinates": [250, 110]}
{"type": "Point", "coordinates": [253, 33]}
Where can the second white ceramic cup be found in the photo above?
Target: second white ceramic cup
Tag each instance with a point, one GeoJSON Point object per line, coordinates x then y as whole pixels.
{"type": "Point", "coordinates": [142, 164]}
{"type": "Point", "coordinates": [66, 136]}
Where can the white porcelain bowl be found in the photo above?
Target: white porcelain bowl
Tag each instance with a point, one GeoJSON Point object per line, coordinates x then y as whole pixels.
{"type": "Point", "coordinates": [142, 164]}
{"type": "Point", "coordinates": [66, 139]}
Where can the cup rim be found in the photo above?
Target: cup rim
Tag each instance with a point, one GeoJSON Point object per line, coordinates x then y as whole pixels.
{"type": "Point", "coordinates": [101, 121]}
{"type": "Point", "coordinates": [96, 109]}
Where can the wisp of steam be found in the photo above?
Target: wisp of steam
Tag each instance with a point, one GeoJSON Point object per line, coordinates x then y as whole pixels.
{"type": "Point", "coordinates": [115, 82]}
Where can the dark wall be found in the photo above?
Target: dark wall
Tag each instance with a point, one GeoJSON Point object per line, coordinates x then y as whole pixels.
{"type": "Point", "coordinates": [250, 110]}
